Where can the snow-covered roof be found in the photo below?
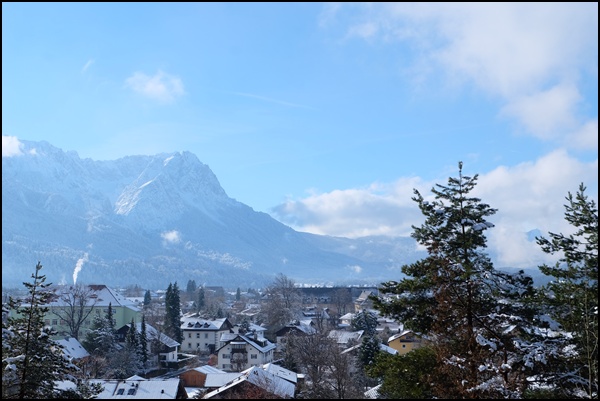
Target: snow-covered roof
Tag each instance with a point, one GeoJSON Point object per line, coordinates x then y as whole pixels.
{"type": "Point", "coordinates": [347, 316]}
{"type": "Point", "coordinates": [256, 343]}
{"type": "Point", "coordinates": [387, 349]}
{"type": "Point", "coordinates": [373, 392]}
{"type": "Point", "coordinates": [208, 369]}
{"type": "Point", "coordinates": [401, 334]}
{"type": "Point", "coordinates": [73, 348]}
{"type": "Point", "coordinates": [194, 322]}
{"type": "Point", "coordinates": [100, 296]}
{"type": "Point", "coordinates": [282, 372]}
{"type": "Point", "coordinates": [216, 380]}
{"type": "Point", "coordinates": [260, 378]}
{"type": "Point", "coordinates": [152, 333]}
{"type": "Point", "coordinates": [343, 337]}
{"type": "Point", "coordinates": [138, 389]}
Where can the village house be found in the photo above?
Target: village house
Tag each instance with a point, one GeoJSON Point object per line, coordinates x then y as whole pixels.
{"type": "Point", "coordinates": [203, 335]}
{"type": "Point", "coordinates": [254, 382]}
{"type": "Point", "coordinates": [406, 341]}
{"type": "Point", "coordinates": [99, 297]}
{"type": "Point", "coordinates": [240, 352]}
{"type": "Point", "coordinates": [206, 377]}
{"type": "Point", "coordinates": [298, 327]}
{"type": "Point", "coordinates": [162, 349]}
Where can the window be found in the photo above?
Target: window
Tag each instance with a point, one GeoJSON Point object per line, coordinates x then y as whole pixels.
{"type": "Point", "coordinates": [189, 335]}
{"type": "Point", "coordinates": [190, 345]}
{"type": "Point", "coordinates": [120, 391]}
{"type": "Point", "coordinates": [403, 345]}
{"type": "Point", "coordinates": [47, 322]}
{"type": "Point", "coordinates": [197, 335]}
{"type": "Point", "coordinates": [205, 335]}
{"type": "Point", "coordinates": [131, 391]}
{"type": "Point", "coordinates": [226, 356]}
{"type": "Point", "coordinates": [253, 356]}
{"type": "Point", "coordinates": [197, 345]}
{"type": "Point", "coordinates": [54, 322]}
{"type": "Point", "coordinates": [63, 322]}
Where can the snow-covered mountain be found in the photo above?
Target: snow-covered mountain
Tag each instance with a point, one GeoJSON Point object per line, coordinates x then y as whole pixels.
{"type": "Point", "coordinates": [152, 220]}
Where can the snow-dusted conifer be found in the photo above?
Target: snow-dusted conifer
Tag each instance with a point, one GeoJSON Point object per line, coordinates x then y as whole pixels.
{"type": "Point", "coordinates": [33, 363]}
{"type": "Point", "coordinates": [478, 319]}
{"type": "Point", "coordinates": [572, 301]}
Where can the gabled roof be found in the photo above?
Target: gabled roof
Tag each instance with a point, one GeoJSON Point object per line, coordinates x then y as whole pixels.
{"type": "Point", "coordinates": [194, 322]}
{"type": "Point", "coordinates": [282, 372]}
{"type": "Point", "coordinates": [216, 380]}
{"type": "Point", "coordinates": [138, 389]}
{"type": "Point", "coordinates": [343, 337]}
{"type": "Point", "coordinates": [100, 296]}
{"type": "Point", "coordinates": [152, 333]}
{"type": "Point", "coordinates": [373, 392]}
{"type": "Point", "coordinates": [402, 334]}
{"type": "Point", "coordinates": [260, 378]}
{"type": "Point", "coordinates": [229, 337]}
{"type": "Point", "coordinates": [304, 326]}
{"type": "Point", "coordinates": [387, 349]}
{"type": "Point", "coordinates": [73, 348]}
{"type": "Point", "coordinates": [364, 295]}
{"type": "Point", "coordinates": [207, 369]}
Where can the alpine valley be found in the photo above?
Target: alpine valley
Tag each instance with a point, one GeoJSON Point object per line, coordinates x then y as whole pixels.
{"type": "Point", "coordinates": [152, 220]}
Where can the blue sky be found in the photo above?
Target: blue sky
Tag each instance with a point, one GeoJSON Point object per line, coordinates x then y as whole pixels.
{"type": "Point", "coordinates": [325, 115]}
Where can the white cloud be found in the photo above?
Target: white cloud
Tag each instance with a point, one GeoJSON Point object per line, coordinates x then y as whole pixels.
{"type": "Point", "coordinates": [585, 137]}
{"type": "Point", "coordinates": [355, 268]}
{"type": "Point", "coordinates": [547, 113]}
{"type": "Point", "coordinates": [11, 146]}
{"type": "Point", "coordinates": [377, 210]}
{"type": "Point", "coordinates": [171, 237]}
{"type": "Point", "coordinates": [528, 196]}
{"type": "Point", "coordinates": [514, 51]}
{"type": "Point", "coordinates": [161, 86]}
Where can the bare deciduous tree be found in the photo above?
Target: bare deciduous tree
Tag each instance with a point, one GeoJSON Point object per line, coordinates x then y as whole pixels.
{"type": "Point", "coordinates": [76, 304]}
{"type": "Point", "coordinates": [283, 299]}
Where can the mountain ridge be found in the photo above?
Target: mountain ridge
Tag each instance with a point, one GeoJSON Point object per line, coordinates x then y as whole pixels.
{"type": "Point", "coordinates": [151, 220]}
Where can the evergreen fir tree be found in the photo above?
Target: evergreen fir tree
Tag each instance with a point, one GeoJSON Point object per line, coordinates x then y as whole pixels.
{"type": "Point", "coordinates": [244, 327]}
{"type": "Point", "coordinates": [147, 299]}
{"type": "Point", "coordinates": [173, 312]}
{"type": "Point", "coordinates": [131, 339]}
{"type": "Point", "coordinates": [366, 321]}
{"type": "Point", "coordinates": [191, 287]}
{"type": "Point", "coordinates": [32, 362]}
{"type": "Point", "coordinates": [368, 350]}
{"type": "Point", "coordinates": [201, 301]}
{"type": "Point", "coordinates": [110, 317]}
{"type": "Point", "coordinates": [144, 341]}
{"type": "Point", "coordinates": [100, 340]}
{"type": "Point", "coordinates": [572, 299]}
{"type": "Point", "coordinates": [479, 319]}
